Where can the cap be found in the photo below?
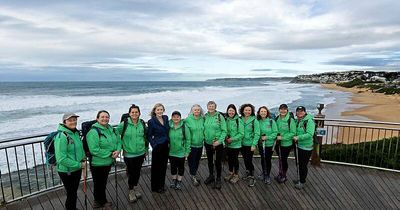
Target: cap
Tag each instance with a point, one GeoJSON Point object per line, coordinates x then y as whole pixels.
{"type": "Point", "coordinates": [283, 106]}
{"type": "Point", "coordinates": [176, 113]}
{"type": "Point", "coordinates": [68, 115]}
{"type": "Point", "coordinates": [300, 108]}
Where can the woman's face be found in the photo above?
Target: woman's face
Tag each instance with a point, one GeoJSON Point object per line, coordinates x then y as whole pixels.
{"type": "Point", "coordinates": [176, 118]}
{"type": "Point", "coordinates": [231, 112]}
{"type": "Point", "coordinates": [211, 108]}
{"type": "Point", "coordinates": [134, 114]}
{"type": "Point", "coordinates": [247, 111]}
{"type": "Point", "coordinates": [71, 122]}
{"type": "Point", "coordinates": [159, 111]}
{"type": "Point", "coordinates": [196, 111]}
{"type": "Point", "coordinates": [300, 114]}
{"type": "Point", "coordinates": [103, 119]}
{"type": "Point", "coordinates": [263, 113]}
{"type": "Point", "coordinates": [283, 112]}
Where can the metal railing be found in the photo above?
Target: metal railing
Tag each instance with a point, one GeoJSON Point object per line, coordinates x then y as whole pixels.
{"type": "Point", "coordinates": [24, 171]}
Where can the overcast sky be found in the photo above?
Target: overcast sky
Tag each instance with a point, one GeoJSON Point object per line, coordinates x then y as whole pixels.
{"type": "Point", "coordinates": [194, 40]}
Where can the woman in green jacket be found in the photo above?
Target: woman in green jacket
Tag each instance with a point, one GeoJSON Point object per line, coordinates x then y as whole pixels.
{"type": "Point", "coordinates": [233, 141]}
{"type": "Point", "coordinates": [284, 140]}
{"type": "Point", "coordinates": [250, 140]}
{"type": "Point", "coordinates": [268, 131]}
{"type": "Point", "coordinates": [178, 150]}
{"type": "Point", "coordinates": [135, 147]}
{"type": "Point", "coordinates": [305, 128]}
{"type": "Point", "coordinates": [104, 145]}
{"type": "Point", "coordinates": [70, 157]}
{"type": "Point", "coordinates": [214, 133]}
{"type": "Point", "coordinates": [194, 131]}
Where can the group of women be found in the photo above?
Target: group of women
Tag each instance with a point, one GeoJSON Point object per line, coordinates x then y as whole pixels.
{"type": "Point", "coordinates": [179, 139]}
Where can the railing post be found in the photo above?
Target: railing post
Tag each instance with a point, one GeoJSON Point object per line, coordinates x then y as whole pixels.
{"type": "Point", "coordinates": [3, 199]}
{"type": "Point", "coordinates": [319, 123]}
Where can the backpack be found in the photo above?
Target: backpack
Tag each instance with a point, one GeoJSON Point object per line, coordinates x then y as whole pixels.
{"type": "Point", "coordinates": [183, 134]}
{"type": "Point", "coordinates": [124, 118]}
{"type": "Point", "coordinates": [49, 147]}
{"type": "Point", "coordinates": [315, 139]}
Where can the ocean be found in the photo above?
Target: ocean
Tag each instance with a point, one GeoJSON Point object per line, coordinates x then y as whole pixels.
{"type": "Point", "coordinates": [30, 108]}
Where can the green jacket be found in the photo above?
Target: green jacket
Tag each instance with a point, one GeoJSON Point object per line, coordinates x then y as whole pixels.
{"type": "Point", "coordinates": [214, 128]}
{"type": "Point", "coordinates": [133, 142]}
{"type": "Point", "coordinates": [305, 135]}
{"type": "Point", "coordinates": [284, 130]}
{"type": "Point", "coordinates": [251, 131]}
{"type": "Point", "coordinates": [178, 145]}
{"type": "Point", "coordinates": [269, 130]}
{"type": "Point", "coordinates": [69, 151]}
{"type": "Point", "coordinates": [235, 131]}
{"type": "Point", "coordinates": [102, 148]}
{"type": "Point", "coordinates": [194, 131]}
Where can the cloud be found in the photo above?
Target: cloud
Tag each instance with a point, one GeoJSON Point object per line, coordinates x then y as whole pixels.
{"type": "Point", "coordinates": [262, 70]}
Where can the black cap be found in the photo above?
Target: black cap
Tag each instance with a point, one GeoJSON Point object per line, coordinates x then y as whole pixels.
{"type": "Point", "coordinates": [301, 108]}
{"type": "Point", "coordinates": [176, 113]}
{"type": "Point", "coordinates": [283, 106]}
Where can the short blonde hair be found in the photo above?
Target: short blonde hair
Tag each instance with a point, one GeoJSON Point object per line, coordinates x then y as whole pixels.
{"type": "Point", "coordinates": [153, 111]}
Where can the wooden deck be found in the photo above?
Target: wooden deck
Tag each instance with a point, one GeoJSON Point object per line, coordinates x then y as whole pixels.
{"type": "Point", "coordinates": [329, 187]}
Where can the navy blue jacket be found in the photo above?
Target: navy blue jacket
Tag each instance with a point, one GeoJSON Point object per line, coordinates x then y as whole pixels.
{"type": "Point", "coordinates": [157, 133]}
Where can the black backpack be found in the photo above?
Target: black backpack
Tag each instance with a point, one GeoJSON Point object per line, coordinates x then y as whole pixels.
{"type": "Point", "coordinates": [315, 139]}
{"type": "Point", "coordinates": [124, 119]}
{"type": "Point", "coordinates": [86, 127]}
{"type": "Point", "coordinates": [49, 147]}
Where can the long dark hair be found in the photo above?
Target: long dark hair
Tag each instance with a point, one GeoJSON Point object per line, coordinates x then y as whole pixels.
{"type": "Point", "coordinates": [229, 107]}
{"type": "Point", "coordinates": [258, 112]}
{"type": "Point", "coordinates": [134, 106]}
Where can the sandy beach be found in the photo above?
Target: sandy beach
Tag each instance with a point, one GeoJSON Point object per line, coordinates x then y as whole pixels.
{"type": "Point", "coordinates": [366, 105]}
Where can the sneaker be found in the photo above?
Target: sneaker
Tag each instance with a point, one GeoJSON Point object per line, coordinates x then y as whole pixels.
{"type": "Point", "coordinates": [235, 179]}
{"type": "Point", "coordinates": [195, 181]}
{"type": "Point", "coordinates": [261, 177]}
{"type": "Point", "coordinates": [132, 196]}
{"type": "Point", "coordinates": [217, 184]}
{"type": "Point", "coordinates": [137, 192]}
{"type": "Point", "coordinates": [267, 180]}
{"type": "Point", "coordinates": [283, 179]}
{"type": "Point", "coordinates": [178, 185]}
{"type": "Point", "coordinates": [252, 181]}
{"type": "Point", "coordinates": [228, 177]}
{"type": "Point", "coordinates": [173, 184]}
{"type": "Point", "coordinates": [299, 186]}
{"type": "Point", "coordinates": [209, 180]}
{"type": "Point", "coordinates": [247, 176]}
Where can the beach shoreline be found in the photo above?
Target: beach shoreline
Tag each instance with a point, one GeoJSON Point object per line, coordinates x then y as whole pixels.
{"type": "Point", "coordinates": [371, 106]}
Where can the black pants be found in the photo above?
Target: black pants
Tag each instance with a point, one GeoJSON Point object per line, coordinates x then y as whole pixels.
{"type": "Point", "coordinates": [304, 158]}
{"type": "Point", "coordinates": [194, 159]}
{"type": "Point", "coordinates": [265, 159]}
{"type": "Point", "coordinates": [233, 160]}
{"type": "Point", "coordinates": [100, 176]}
{"type": "Point", "coordinates": [159, 163]}
{"type": "Point", "coordinates": [71, 184]}
{"type": "Point", "coordinates": [284, 156]}
{"type": "Point", "coordinates": [219, 151]}
{"type": "Point", "coordinates": [248, 159]}
{"type": "Point", "coordinates": [134, 166]}
{"type": "Point", "coordinates": [177, 165]}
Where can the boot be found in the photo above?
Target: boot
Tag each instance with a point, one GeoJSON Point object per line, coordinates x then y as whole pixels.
{"type": "Point", "coordinates": [178, 185]}
{"type": "Point", "coordinates": [173, 184]}
{"type": "Point", "coordinates": [299, 185]}
{"type": "Point", "coordinates": [209, 180]}
{"type": "Point", "coordinates": [132, 196]}
{"type": "Point", "coordinates": [267, 179]}
{"type": "Point", "coordinates": [195, 181]}
{"type": "Point", "coordinates": [218, 184]}
{"type": "Point", "coordinates": [228, 177]}
{"type": "Point", "coordinates": [252, 181]}
{"type": "Point", "coordinates": [137, 192]}
{"type": "Point", "coordinates": [246, 176]}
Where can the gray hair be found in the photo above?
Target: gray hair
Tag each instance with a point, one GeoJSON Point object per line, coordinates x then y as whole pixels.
{"type": "Point", "coordinates": [212, 103]}
{"type": "Point", "coordinates": [196, 106]}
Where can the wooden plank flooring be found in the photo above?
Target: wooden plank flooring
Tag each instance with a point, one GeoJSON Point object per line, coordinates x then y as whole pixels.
{"type": "Point", "coordinates": [328, 187]}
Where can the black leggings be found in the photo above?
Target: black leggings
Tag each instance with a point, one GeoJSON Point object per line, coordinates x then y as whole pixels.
{"type": "Point", "coordinates": [248, 159]}
{"type": "Point", "coordinates": [100, 176]}
{"type": "Point", "coordinates": [304, 158]}
{"type": "Point", "coordinates": [233, 160]}
{"type": "Point", "coordinates": [194, 159]}
{"type": "Point", "coordinates": [177, 165]}
{"type": "Point", "coordinates": [159, 163]}
{"type": "Point", "coordinates": [134, 166]}
{"type": "Point", "coordinates": [219, 150]}
{"type": "Point", "coordinates": [71, 184]}
{"type": "Point", "coordinates": [284, 157]}
{"type": "Point", "coordinates": [265, 159]}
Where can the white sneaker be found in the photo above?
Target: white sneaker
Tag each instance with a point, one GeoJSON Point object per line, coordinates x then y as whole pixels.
{"type": "Point", "coordinates": [132, 196]}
